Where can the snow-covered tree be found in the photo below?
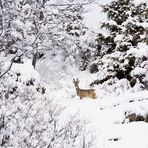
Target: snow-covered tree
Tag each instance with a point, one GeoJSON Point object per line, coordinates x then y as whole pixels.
{"type": "Point", "coordinates": [33, 27]}
{"type": "Point", "coordinates": [124, 49]}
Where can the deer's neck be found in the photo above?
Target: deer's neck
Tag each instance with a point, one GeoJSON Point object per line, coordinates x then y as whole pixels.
{"type": "Point", "coordinates": [77, 90]}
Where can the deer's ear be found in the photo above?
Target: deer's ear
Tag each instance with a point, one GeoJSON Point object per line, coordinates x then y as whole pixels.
{"type": "Point", "coordinates": [73, 80]}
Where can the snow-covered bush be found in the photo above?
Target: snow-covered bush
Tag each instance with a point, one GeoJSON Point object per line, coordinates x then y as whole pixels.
{"type": "Point", "coordinates": [30, 118]}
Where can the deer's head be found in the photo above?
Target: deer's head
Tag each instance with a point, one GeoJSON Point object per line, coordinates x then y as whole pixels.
{"type": "Point", "coordinates": [76, 82]}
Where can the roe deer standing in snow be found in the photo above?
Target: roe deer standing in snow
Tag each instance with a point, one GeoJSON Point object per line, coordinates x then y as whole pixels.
{"type": "Point", "coordinates": [82, 93]}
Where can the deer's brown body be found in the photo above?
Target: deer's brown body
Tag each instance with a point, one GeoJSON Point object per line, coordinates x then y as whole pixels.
{"type": "Point", "coordinates": [84, 93]}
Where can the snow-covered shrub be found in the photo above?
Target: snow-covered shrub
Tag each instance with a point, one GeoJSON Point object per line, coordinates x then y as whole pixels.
{"type": "Point", "coordinates": [32, 121]}
{"type": "Point", "coordinates": [29, 118]}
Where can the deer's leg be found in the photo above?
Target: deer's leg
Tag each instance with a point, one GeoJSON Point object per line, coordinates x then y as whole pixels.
{"type": "Point", "coordinates": [80, 97]}
{"type": "Point", "coordinates": [94, 96]}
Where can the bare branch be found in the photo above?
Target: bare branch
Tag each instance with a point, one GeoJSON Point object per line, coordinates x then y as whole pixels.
{"type": "Point", "coordinates": [69, 4]}
{"type": "Point", "coordinates": [1, 17]}
{"type": "Point", "coordinates": [36, 38]}
{"type": "Point", "coordinates": [10, 66]}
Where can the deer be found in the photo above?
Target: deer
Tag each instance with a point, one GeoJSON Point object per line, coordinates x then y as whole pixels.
{"type": "Point", "coordinates": [83, 93]}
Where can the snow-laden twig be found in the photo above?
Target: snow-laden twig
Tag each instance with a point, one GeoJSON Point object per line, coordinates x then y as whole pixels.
{"type": "Point", "coordinates": [10, 66]}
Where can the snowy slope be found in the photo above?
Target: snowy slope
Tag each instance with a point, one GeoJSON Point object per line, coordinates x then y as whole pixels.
{"type": "Point", "coordinates": [107, 112]}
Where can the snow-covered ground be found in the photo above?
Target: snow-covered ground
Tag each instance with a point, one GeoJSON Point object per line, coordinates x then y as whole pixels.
{"type": "Point", "coordinates": [107, 112]}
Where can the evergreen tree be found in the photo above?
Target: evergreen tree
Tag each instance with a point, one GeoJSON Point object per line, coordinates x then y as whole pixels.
{"type": "Point", "coordinates": [124, 48]}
